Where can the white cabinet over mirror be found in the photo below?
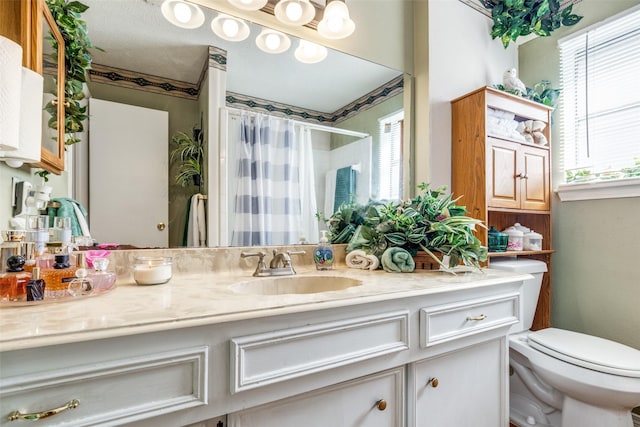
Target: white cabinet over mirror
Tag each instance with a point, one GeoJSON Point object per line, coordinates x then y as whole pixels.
{"type": "Point", "coordinates": [148, 62]}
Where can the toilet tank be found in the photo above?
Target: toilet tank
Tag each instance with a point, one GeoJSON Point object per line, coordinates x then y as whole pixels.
{"type": "Point", "coordinates": [530, 288]}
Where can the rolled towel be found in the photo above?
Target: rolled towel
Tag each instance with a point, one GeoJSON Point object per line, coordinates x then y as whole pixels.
{"type": "Point", "coordinates": [358, 259]}
{"type": "Point", "coordinates": [375, 262]}
{"type": "Point", "coordinates": [397, 260]}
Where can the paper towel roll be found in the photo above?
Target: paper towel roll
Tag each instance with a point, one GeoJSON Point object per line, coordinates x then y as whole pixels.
{"type": "Point", "coordinates": [10, 76]}
{"type": "Point", "coordinates": [30, 132]}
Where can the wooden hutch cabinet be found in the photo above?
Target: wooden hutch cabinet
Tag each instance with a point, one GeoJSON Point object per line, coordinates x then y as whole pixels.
{"type": "Point", "coordinates": [503, 179]}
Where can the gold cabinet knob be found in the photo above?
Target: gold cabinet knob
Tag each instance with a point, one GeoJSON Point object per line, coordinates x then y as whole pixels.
{"type": "Point", "coordinates": [433, 382]}
{"type": "Point", "coordinates": [381, 405]}
{"type": "Point", "coordinates": [160, 226]}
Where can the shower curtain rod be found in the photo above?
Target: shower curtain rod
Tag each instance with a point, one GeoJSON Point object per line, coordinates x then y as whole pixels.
{"type": "Point", "coordinates": [237, 111]}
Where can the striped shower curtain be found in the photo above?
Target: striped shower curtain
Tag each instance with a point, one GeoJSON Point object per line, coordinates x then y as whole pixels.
{"type": "Point", "coordinates": [275, 196]}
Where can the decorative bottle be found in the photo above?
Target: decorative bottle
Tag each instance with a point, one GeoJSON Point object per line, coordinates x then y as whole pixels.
{"type": "Point", "coordinates": [14, 281]}
{"type": "Point", "coordinates": [323, 254]}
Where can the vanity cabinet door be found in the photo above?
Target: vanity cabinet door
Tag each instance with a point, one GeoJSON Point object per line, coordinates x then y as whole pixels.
{"type": "Point", "coordinates": [373, 401]}
{"type": "Point", "coordinates": [466, 387]}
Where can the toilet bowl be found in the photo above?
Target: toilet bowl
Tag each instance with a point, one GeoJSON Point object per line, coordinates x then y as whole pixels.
{"type": "Point", "coordinates": [563, 378]}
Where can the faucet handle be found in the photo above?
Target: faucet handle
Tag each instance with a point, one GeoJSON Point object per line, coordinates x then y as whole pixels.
{"type": "Point", "coordinates": [288, 258]}
{"type": "Point", "coordinates": [260, 254]}
{"type": "Point", "coordinates": [262, 265]}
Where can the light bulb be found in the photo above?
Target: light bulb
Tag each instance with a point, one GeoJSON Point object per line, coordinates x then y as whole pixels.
{"type": "Point", "coordinates": [335, 23]}
{"type": "Point", "coordinates": [294, 11]}
{"type": "Point", "coordinates": [182, 12]}
{"type": "Point", "coordinates": [230, 27]}
{"type": "Point", "coordinates": [272, 41]}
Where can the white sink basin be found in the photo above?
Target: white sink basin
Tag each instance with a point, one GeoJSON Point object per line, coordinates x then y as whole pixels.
{"type": "Point", "coordinates": [294, 285]}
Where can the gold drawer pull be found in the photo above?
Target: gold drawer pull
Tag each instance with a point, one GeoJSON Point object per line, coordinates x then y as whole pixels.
{"type": "Point", "coordinates": [433, 382]}
{"type": "Point", "coordinates": [481, 317]}
{"type": "Point", "coordinates": [72, 404]}
{"type": "Point", "coordinates": [381, 404]}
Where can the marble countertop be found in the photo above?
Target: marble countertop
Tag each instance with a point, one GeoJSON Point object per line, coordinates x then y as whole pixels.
{"type": "Point", "coordinates": [207, 297]}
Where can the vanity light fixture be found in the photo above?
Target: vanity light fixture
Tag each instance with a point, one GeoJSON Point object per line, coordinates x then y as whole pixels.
{"type": "Point", "coordinates": [310, 53]}
{"type": "Point", "coordinates": [272, 41]}
{"type": "Point", "coordinates": [182, 14]}
{"type": "Point", "coordinates": [229, 28]}
{"type": "Point", "coordinates": [249, 4]}
{"type": "Point", "coordinates": [336, 23]}
{"type": "Point", "coordinates": [294, 12]}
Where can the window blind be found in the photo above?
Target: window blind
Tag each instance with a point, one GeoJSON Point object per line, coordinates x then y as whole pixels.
{"type": "Point", "coordinates": [600, 83]}
{"type": "Point", "coordinates": [390, 157]}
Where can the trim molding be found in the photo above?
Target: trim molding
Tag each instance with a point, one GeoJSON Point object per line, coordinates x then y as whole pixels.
{"type": "Point", "coordinates": [614, 189]}
{"type": "Point", "coordinates": [146, 82]}
{"type": "Point", "coordinates": [217, 58]}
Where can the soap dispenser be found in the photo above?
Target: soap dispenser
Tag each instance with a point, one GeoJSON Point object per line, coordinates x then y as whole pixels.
{"type": "Point", "coordinates": [323, 255]}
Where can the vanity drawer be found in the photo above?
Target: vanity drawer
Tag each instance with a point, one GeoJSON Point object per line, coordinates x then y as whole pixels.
{"type": "Point", "coordinates": [268, 358]}
{"type": "Point", "coordinates": [451, 321]}
{"type": "Point", "coordinates": [111, 393]}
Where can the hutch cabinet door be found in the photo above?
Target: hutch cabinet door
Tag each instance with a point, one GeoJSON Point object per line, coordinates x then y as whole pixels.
{"type": "Point", "coordinates": [535, 183]}
{"type": "Point", "coordinates": [502, 168]}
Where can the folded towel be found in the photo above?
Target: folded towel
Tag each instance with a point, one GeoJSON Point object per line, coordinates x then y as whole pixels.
{"type": "Point", "coordinates": [358, 259]}
{"type": "Point", "coordinates": [375, 262]}
{"type": "Point", "coordinates": [397, 260]}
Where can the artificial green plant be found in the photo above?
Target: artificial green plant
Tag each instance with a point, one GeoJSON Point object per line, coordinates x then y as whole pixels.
{"type": "Point", "coordinates": [189, 153]}
{"type": "Point", "coordinates": [77, 63]}
{"type": "Point", "coordinates": [431, 222]}
{"type": "Point", "coordinates": [515, 18]}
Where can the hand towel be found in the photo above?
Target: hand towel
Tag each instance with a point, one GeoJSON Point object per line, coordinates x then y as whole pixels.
{"type": "Point", "coordinates": [201, 223]}
{"type": "Point", "coordinates": [193, 236]}
{"type": "Point", "coordinates": [358, 259]}
{"type": "Point", "coordinates": [397, 260]}
{"type": "Point", "coordinates": [74, 210]}
{"type": "Point", "coordinates": [375, 262]}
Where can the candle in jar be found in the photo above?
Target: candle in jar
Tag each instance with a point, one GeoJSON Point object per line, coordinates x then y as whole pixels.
{"type": "Point", "coordinates": [152, 271]}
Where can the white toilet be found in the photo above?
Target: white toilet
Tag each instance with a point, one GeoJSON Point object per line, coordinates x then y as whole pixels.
{"type": "Point", "coordinates": [564, 378]}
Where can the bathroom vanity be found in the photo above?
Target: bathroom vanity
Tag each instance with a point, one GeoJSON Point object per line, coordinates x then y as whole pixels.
{"type": "Point", "coordinates": [419, 349]}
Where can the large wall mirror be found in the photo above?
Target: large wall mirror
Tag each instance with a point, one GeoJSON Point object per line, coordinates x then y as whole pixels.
{"type": "Point", "coordinates": [143, 55]}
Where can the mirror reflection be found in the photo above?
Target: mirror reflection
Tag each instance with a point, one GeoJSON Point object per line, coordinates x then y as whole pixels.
{"type": "Point", "coordinates": [233, 92]}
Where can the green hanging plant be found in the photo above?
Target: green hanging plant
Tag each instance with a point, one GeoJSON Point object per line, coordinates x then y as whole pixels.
{"type": "Point", "coordinates": [515, 18]}
{"type": "Point", "coordinates": [67, 15]}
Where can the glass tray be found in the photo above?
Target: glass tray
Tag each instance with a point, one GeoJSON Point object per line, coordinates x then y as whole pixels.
{"type": "Point", "coordinates": [53, 300]}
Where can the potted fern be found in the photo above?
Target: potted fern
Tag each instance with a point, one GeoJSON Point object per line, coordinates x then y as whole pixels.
{"type": "Point", "coordinates": [189, 153]}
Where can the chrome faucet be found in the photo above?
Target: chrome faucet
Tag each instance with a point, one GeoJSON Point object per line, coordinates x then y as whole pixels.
{"type": "Point", "coordinates": [280, 264]}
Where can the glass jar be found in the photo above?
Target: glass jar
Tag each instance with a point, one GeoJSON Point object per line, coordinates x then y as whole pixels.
{"type": "Point", "coordinates": [497, 240]}
{"type": "Point", "coordinates": [152, 270]}
{"type": "Point", "coordinates": [532, 241]}
{"type": "Point", "coordinates": [516, 238]}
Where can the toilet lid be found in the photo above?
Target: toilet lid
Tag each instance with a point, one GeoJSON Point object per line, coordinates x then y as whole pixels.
{"type": "Point", "coordinates": [587, 351]}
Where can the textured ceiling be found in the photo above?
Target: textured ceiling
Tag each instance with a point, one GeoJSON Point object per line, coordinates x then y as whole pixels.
{"type": "Point", "coordinates": [136, 37]}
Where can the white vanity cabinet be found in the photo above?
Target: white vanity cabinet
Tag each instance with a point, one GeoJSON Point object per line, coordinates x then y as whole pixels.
{"type": "Point", "coordinates": [363, 363]}
{"type": "Point", "coordinates": [376, 400]}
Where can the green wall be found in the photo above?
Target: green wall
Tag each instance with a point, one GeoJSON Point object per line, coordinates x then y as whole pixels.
{"type": "Point", "coordinates": [596, 286]}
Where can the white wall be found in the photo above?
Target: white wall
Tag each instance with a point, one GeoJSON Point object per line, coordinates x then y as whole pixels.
{"type": "Point", "coordinates": [462, 58]}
